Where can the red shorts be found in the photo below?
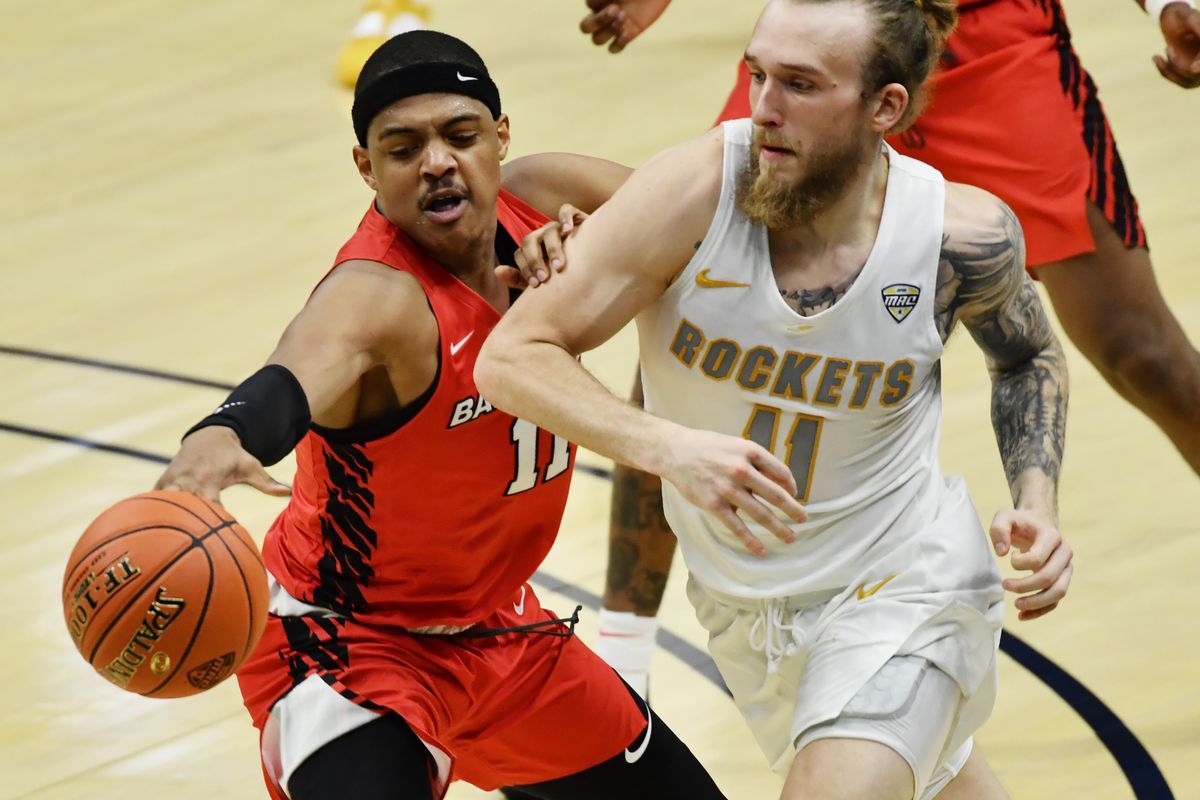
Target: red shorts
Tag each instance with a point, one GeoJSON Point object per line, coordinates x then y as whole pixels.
{"type": "Point", "coordinates": [511, 709]}
{"type": "Point", "coordinates": [1014, 112]}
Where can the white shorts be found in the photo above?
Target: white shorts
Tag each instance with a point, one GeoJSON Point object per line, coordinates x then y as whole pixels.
{"type": "Point", "coordinates": [802, 667]}
{"type": "Point", "coordinates": [909, 706]}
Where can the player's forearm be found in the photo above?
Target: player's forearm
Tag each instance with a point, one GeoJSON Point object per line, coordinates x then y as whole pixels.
{"type": "Point", "coordinates": [542, 383]}
{"type": "Point", "coordinates": [1029, 413]}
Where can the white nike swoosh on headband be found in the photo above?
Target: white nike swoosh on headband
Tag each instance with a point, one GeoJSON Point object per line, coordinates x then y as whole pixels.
{"type": "Point", "coordinates": [464, 78]}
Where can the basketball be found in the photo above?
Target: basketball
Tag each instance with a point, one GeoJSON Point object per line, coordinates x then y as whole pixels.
{"type": "Point", "coordinates": [165, 594]}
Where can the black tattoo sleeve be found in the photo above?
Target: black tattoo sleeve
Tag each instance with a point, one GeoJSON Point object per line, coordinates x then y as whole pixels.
{"type": "Point", "coordinates": [982, 282]}
{"type": "Point", "coordinates": [640, 545]}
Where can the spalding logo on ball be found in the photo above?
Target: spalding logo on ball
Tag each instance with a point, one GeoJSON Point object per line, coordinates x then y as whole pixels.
{"type": "Point", "coordinates": [165, 594]}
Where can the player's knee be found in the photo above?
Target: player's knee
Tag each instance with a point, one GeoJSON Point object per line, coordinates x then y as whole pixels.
{"type": "Point", "coordinates": [848, 769]}
{"type": "Point", "coordinates": [1152, 367]}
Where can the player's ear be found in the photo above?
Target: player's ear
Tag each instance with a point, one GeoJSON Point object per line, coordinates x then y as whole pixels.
{"type": "Point", "coordinates": [502, 134]}
{"type": "Point", "coordinates": [890, 103]}
{"type": "Point", "coordinates": [362, 160]}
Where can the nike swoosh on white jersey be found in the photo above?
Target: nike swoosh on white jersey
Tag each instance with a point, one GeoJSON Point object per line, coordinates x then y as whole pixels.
{"type": "Point", "coordinates": [519, 606]}
{"type": "Point", "coordinates": [465, 78]}
{"type": "Point", "coordinates": [632, 756]}
{"type": "Point", "coordinates": [454, 348]}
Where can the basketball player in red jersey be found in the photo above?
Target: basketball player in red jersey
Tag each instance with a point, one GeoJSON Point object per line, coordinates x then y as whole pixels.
{"type": "Point", "coordinates": [405, 648]}
{"type": "Point", "coordinates": [1041, 143]}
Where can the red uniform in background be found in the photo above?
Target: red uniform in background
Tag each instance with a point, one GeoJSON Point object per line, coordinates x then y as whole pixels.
{"type": "Point", "coordinates": [1012, 111]}
{"type": "Point", "coordinates": [432, 520]}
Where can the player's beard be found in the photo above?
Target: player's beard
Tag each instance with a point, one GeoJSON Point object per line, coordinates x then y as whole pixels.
{"type": "Point", "coordinates": [779, 205]}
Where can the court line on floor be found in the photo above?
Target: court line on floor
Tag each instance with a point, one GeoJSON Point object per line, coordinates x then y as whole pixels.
{"type": "Point", "coordinates": [1140, 770]}
{"type": "Point", "coordinates": [112, 367]}
{"type": "Point", "coordinates": [88, 444]}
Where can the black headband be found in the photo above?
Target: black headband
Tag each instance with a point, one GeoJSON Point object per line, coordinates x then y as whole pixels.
{"type": "Point", "coordinates": [397, 84]}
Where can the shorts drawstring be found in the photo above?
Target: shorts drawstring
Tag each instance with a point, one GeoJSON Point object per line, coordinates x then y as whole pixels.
{"type": "Point", "coordinates": [772, 636]}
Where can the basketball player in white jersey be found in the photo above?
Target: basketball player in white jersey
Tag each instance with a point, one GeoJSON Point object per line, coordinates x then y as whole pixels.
{"type": "Point", "coordinates": [794, 281]}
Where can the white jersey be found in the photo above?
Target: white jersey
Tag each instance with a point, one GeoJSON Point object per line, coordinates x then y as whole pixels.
{"type": "Point", "coordinates": [849, 398]}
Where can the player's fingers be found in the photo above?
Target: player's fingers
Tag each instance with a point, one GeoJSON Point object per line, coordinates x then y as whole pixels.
{"type": "Point", "coordinates": [532, 248]}
{"type": "Point", "coordinates": [778, 491]}
{"type": "Point", "coordinates": [528, 257]}
{"type": "Point", "coordinates": [627, 34]}
{"type": "Point", "coordinates": [552, 244]}
{"type": "Point", "coordinates": [205, 489]}
{"type": "Point", "coordinates": [1044, 577]}
{"type": "Point", "coordinates": [775, 483]}
{"type": "Point", "coordinates": [568, 217]}
{"type": "Point", "coordinates": [602, 18]}
{"type": "Point", "coordinates": [774, 469]}
{"type": "Point", "coordinates": [511, 277]}
{"type": "Point", "coordinates": [615, 19]}
{"type": "Point", "coordinates": [777, 496]}
{"type": "Point", "coordinates": [734, 523]}
{"type": "Point", "coordinates": [602, 35]}
{"type": "Point", "coordinates": [1052, 596]}
{"type": "Point", "coordinates": [1025, 616]}
{"type": "Point", "coordinates": [1037, 543]}
{"type": "Point", "coordinates": [578, 219]}
{"type": "Point", "coordinates": [259, 479]}
{"type": "Point", "coordinates": [1167, 70]}
{"type": "Point", "coordinates": [1182, 64]}
{"type": "Point", "coordinates": [186, 482]}
{"type": "Point", "coordinates": [522, 262]}
{"type": "Point", "coordinates": [1000, 532]}
{"type": "Point", "coordinates": [757, 511]}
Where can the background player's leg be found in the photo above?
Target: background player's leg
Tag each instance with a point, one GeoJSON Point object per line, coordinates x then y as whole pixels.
{"type": "Point", "coordinates": [975, 781]}
{"type": "Point", "coordinates": [664, 770]}
{"type": "Point", "coordinates": [640, 548]}
{"type": "Point", "coordinates": [382, 760]}
{"type": "Point", "coordinates": [1111, 307]}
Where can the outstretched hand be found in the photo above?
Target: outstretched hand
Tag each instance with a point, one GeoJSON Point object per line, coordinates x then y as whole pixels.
{"type": "Point", "coordinates": [1181, 30]}
{"type": "Point", "coordinates": [620, 21]}
{"type": "Point", "coordinates": [1039, 549]}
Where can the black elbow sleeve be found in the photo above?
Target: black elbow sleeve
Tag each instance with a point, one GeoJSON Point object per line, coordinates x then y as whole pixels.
{"type": "Point", "coordinates": [268, 411]}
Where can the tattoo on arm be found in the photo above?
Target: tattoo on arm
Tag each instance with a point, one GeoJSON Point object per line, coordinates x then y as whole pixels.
{"type": "Point", "coordinates": [641, 544]}
{"type": "Point", "coordinates": [982, 281]}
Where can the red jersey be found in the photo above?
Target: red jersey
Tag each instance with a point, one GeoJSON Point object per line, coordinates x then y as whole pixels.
{"type": "Point", "coordinates": [1014, 112]}
{"type": "Point", "coordinates": [440, 520]}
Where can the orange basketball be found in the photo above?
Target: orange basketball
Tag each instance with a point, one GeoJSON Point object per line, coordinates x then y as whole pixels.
{"type": "Point", "coordinates": [165, 594]}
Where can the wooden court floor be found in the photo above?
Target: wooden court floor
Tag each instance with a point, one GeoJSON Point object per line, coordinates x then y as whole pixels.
{"type": "Point", "coordinates": [174, 177]}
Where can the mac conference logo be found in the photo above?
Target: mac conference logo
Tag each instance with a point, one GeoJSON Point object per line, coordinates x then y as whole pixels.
{"type": "Point", "coordinates": [900, 299]}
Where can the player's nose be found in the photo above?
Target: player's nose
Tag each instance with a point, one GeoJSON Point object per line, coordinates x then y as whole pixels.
{"type": "Point", "coordinates": [764, 104]}
{"type": "Point", "coordinates": [438, 161]}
